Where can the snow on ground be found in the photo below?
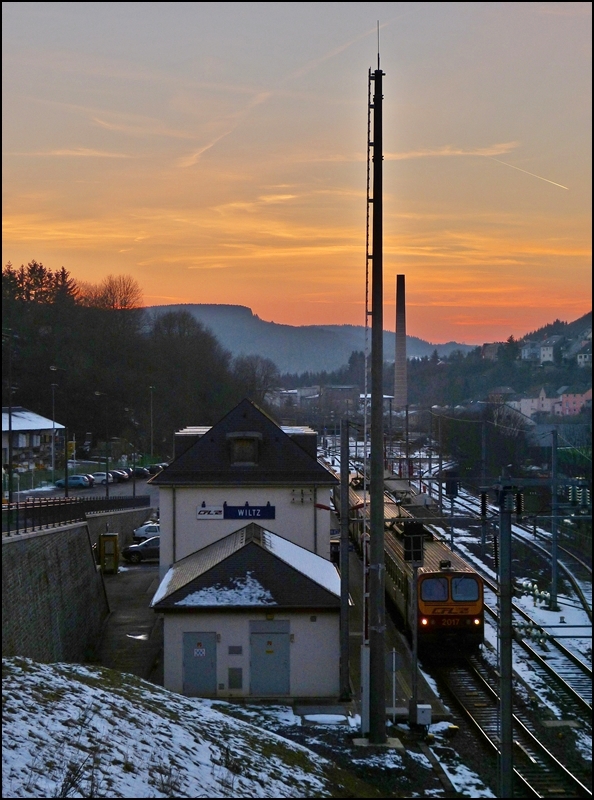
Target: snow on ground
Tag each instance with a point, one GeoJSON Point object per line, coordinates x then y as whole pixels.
{"type": "Point", "coordinates": [97, 732]}
{"type": "Point", "coordinates": [77, 731]}
{"type": "Point", "coordinates": [576, 620]}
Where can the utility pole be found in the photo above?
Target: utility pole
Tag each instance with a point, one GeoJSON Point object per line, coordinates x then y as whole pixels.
{"type": "Point", "coordinates": [151, 388]}
{"type": "Point", "coordinates": [440, 468]}
{"type": "Point", "coordinates": [377, 626]}
{"type": "Point", "coordinates": [345, 686]}
{"type": "Point", "coordinates": [430, 453]}
{"type": "Point", "coordinates": [553, 606]}
{"type": "Point", "coordinates": [506, 506]}
{"type": "Point", "coordinates": [483, 481]}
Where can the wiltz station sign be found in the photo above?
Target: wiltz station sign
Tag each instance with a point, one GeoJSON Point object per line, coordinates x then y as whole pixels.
{"type": "Point", "coordinates": [236, 512]}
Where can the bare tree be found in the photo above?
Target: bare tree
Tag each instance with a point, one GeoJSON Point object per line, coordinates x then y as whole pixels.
{"type": "Point", "coordinates": [255, 376]}
{"type": "Point", "coordinates": [114, 293]}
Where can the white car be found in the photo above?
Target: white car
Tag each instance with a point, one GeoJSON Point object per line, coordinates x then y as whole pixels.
{"type": "Point", "coordinates": [146, 531]}
{"type": "Point", "coordinates": [100, 477]}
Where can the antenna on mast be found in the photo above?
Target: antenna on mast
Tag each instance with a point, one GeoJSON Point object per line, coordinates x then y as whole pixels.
{"type": "Point", "coordinates": [378, 58]}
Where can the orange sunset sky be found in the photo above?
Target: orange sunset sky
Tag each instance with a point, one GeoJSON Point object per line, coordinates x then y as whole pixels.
{"type": "Point", "coordinates": [216, 152]}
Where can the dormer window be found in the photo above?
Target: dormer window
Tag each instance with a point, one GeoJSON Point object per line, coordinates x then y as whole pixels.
{"type": "Point", "coordinates": [244, 448]}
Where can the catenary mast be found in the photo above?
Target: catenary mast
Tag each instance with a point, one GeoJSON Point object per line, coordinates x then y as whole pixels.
{"type": "Point", "coordinates": [377, 613]}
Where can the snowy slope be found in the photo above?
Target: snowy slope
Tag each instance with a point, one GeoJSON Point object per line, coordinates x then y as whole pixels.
{"type": "Point", "coordinates": [71, 730]}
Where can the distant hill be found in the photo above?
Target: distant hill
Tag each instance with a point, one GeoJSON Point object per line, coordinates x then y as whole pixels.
{"type": "Point", "coordinates": [558, 328]}
{"type": "Point", "coordinates": [296, 349]}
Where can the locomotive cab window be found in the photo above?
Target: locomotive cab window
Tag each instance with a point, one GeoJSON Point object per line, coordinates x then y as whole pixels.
{"type": "Point", "coordinates": [465, 589]}
{"type": "Point", "coordinates": [434, 589]}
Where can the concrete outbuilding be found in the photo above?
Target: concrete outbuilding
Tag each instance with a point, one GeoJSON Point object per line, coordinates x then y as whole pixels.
{"type": "Point", "coordinates": [251, 615]}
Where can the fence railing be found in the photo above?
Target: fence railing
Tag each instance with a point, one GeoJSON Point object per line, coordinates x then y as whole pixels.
{"type": "Point", "coordinates": [37, 513]}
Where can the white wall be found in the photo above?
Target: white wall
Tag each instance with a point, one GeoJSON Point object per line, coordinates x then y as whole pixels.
{"type": "Point", "coordinates": [315, 649]}
{"type": "Point", "coordinates": [182, 533]}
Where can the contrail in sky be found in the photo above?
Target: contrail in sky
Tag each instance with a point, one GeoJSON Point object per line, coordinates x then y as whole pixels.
{"type": "Point", "coordinates": [560, 185]}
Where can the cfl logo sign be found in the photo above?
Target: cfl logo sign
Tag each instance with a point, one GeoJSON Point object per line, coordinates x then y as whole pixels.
{"type": "Point", "coordinates": [210, 512]}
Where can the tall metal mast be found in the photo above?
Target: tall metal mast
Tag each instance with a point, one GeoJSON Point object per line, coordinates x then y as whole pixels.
{"type": "Point", "coordinates": [377, 621]}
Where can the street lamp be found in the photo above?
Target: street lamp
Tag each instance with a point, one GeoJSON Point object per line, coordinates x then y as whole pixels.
{"type": "Point", "coordinates": [54, 387]}
{"type": "Point", "coordinates": [151, 388]}
{"type": "Point", "coordinates": [134, 448]}
{"type": "Point", "coordinates": [103, 394]}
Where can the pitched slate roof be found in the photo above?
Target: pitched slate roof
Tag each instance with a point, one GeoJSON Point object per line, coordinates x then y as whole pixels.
{"type": "Point", "coordinates": [248, 568]}
{"type": "Point", "coordinates": [281, 460]}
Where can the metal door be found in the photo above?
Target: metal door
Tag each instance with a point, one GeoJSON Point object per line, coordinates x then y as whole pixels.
{"type": "Point", "coordinates": [200, 664]}
{"type": "Point", "coordinates": [269, 663]}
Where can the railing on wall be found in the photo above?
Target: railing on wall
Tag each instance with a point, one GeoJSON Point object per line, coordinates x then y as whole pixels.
{"type": "Point", "coordinates": [37, 513]}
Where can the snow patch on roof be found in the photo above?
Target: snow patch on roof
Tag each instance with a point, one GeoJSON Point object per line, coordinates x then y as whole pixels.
{"type": "Point", "coordinates": [315, 567]}
{"type": "Point", "coordinates": [246, 591]}
{"type": "Point", "coordinates": [162, 588]}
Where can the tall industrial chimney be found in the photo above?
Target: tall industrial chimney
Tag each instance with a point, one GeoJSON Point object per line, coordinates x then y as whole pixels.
{"type": "Point", "coordinates": [400, 386]}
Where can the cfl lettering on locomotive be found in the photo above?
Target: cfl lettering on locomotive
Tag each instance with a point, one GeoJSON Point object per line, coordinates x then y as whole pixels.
{"type": "Point", "coordinates": [450, 602]}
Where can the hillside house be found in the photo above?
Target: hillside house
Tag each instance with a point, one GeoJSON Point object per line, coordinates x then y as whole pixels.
{"type": "Point", "coordinates": [584, 356]}
{"type": "Point", "coordinates": [490, 350]}
{"type": "Point", "coordinates": [572, 403]}
{"type": "Point", "coordinates": [550, 348]}
{"type": "Point", "coordinates": [541, 404]}
{"type": "Point", "coordinates": [530, 351]}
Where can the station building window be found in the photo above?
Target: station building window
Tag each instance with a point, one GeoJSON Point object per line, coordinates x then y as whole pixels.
{"type": "Point", "coordinates": [244, 448]}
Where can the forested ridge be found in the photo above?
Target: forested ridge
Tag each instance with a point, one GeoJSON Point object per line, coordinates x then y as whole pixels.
{"type": "Point", "coordinates": [459, 377]}
{"type": "Point", "coordinates": [113, 360]}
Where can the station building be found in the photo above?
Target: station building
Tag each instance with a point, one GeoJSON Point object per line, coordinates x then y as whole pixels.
{"type": "Point", "coordinates": [250, 598]}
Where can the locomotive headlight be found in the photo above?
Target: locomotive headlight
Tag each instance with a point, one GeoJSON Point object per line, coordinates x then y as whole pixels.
{"type": "Point", "coordinates": [424, 621]}
{"type": "Point", "coordinates": [477, 622]}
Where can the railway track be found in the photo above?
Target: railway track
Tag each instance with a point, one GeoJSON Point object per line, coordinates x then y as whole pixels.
{"type": "Point", "coordinates": [537, 771]}
{"type": "Point", "coordinates": [576, 571]}
{"type": "Point", "coordinates": [572, 676]}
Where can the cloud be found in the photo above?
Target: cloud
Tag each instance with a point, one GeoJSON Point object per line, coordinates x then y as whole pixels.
{"type": "Point", "coordinates": [78, 152]}
{"type": "Point", "coordinates": [147, 127]}
{"type": "Point", "coordinates": [234, 119]}
{"type": "Point", "coordinates": [450, 150]}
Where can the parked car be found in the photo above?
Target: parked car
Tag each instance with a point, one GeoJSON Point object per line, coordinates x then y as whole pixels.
{"type": "Point", "coordinates": [141, 472]}
{"type": "Point", "coordinates": [146, 531]}
{"type": "Point", "coordinates": [155, 468]}
{"type": "Point", "coordinates": [74, 482]}
{"type": "Point", "coordinates": [119, 475]}
{"type": "Point", "coordinates": [146, 551]}
{"type": "Point", "coordinates": [100, 477]}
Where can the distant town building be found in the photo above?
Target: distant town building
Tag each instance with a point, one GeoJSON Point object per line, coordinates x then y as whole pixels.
{"type": "Point", "coordinates": [549, 348]}
{"type": "Point", "coordinates": [530, 351]}
{"type": "Point", "coordinates": [31, 438]}
{"type": "Point", "coordinates": [584, 357]}
{"type": "Point", "coordinates": [572, 403]}
{"type": "Point", "coordinates": [564, 402]}
{"type": "Point", "coordinates": [490, 350]}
